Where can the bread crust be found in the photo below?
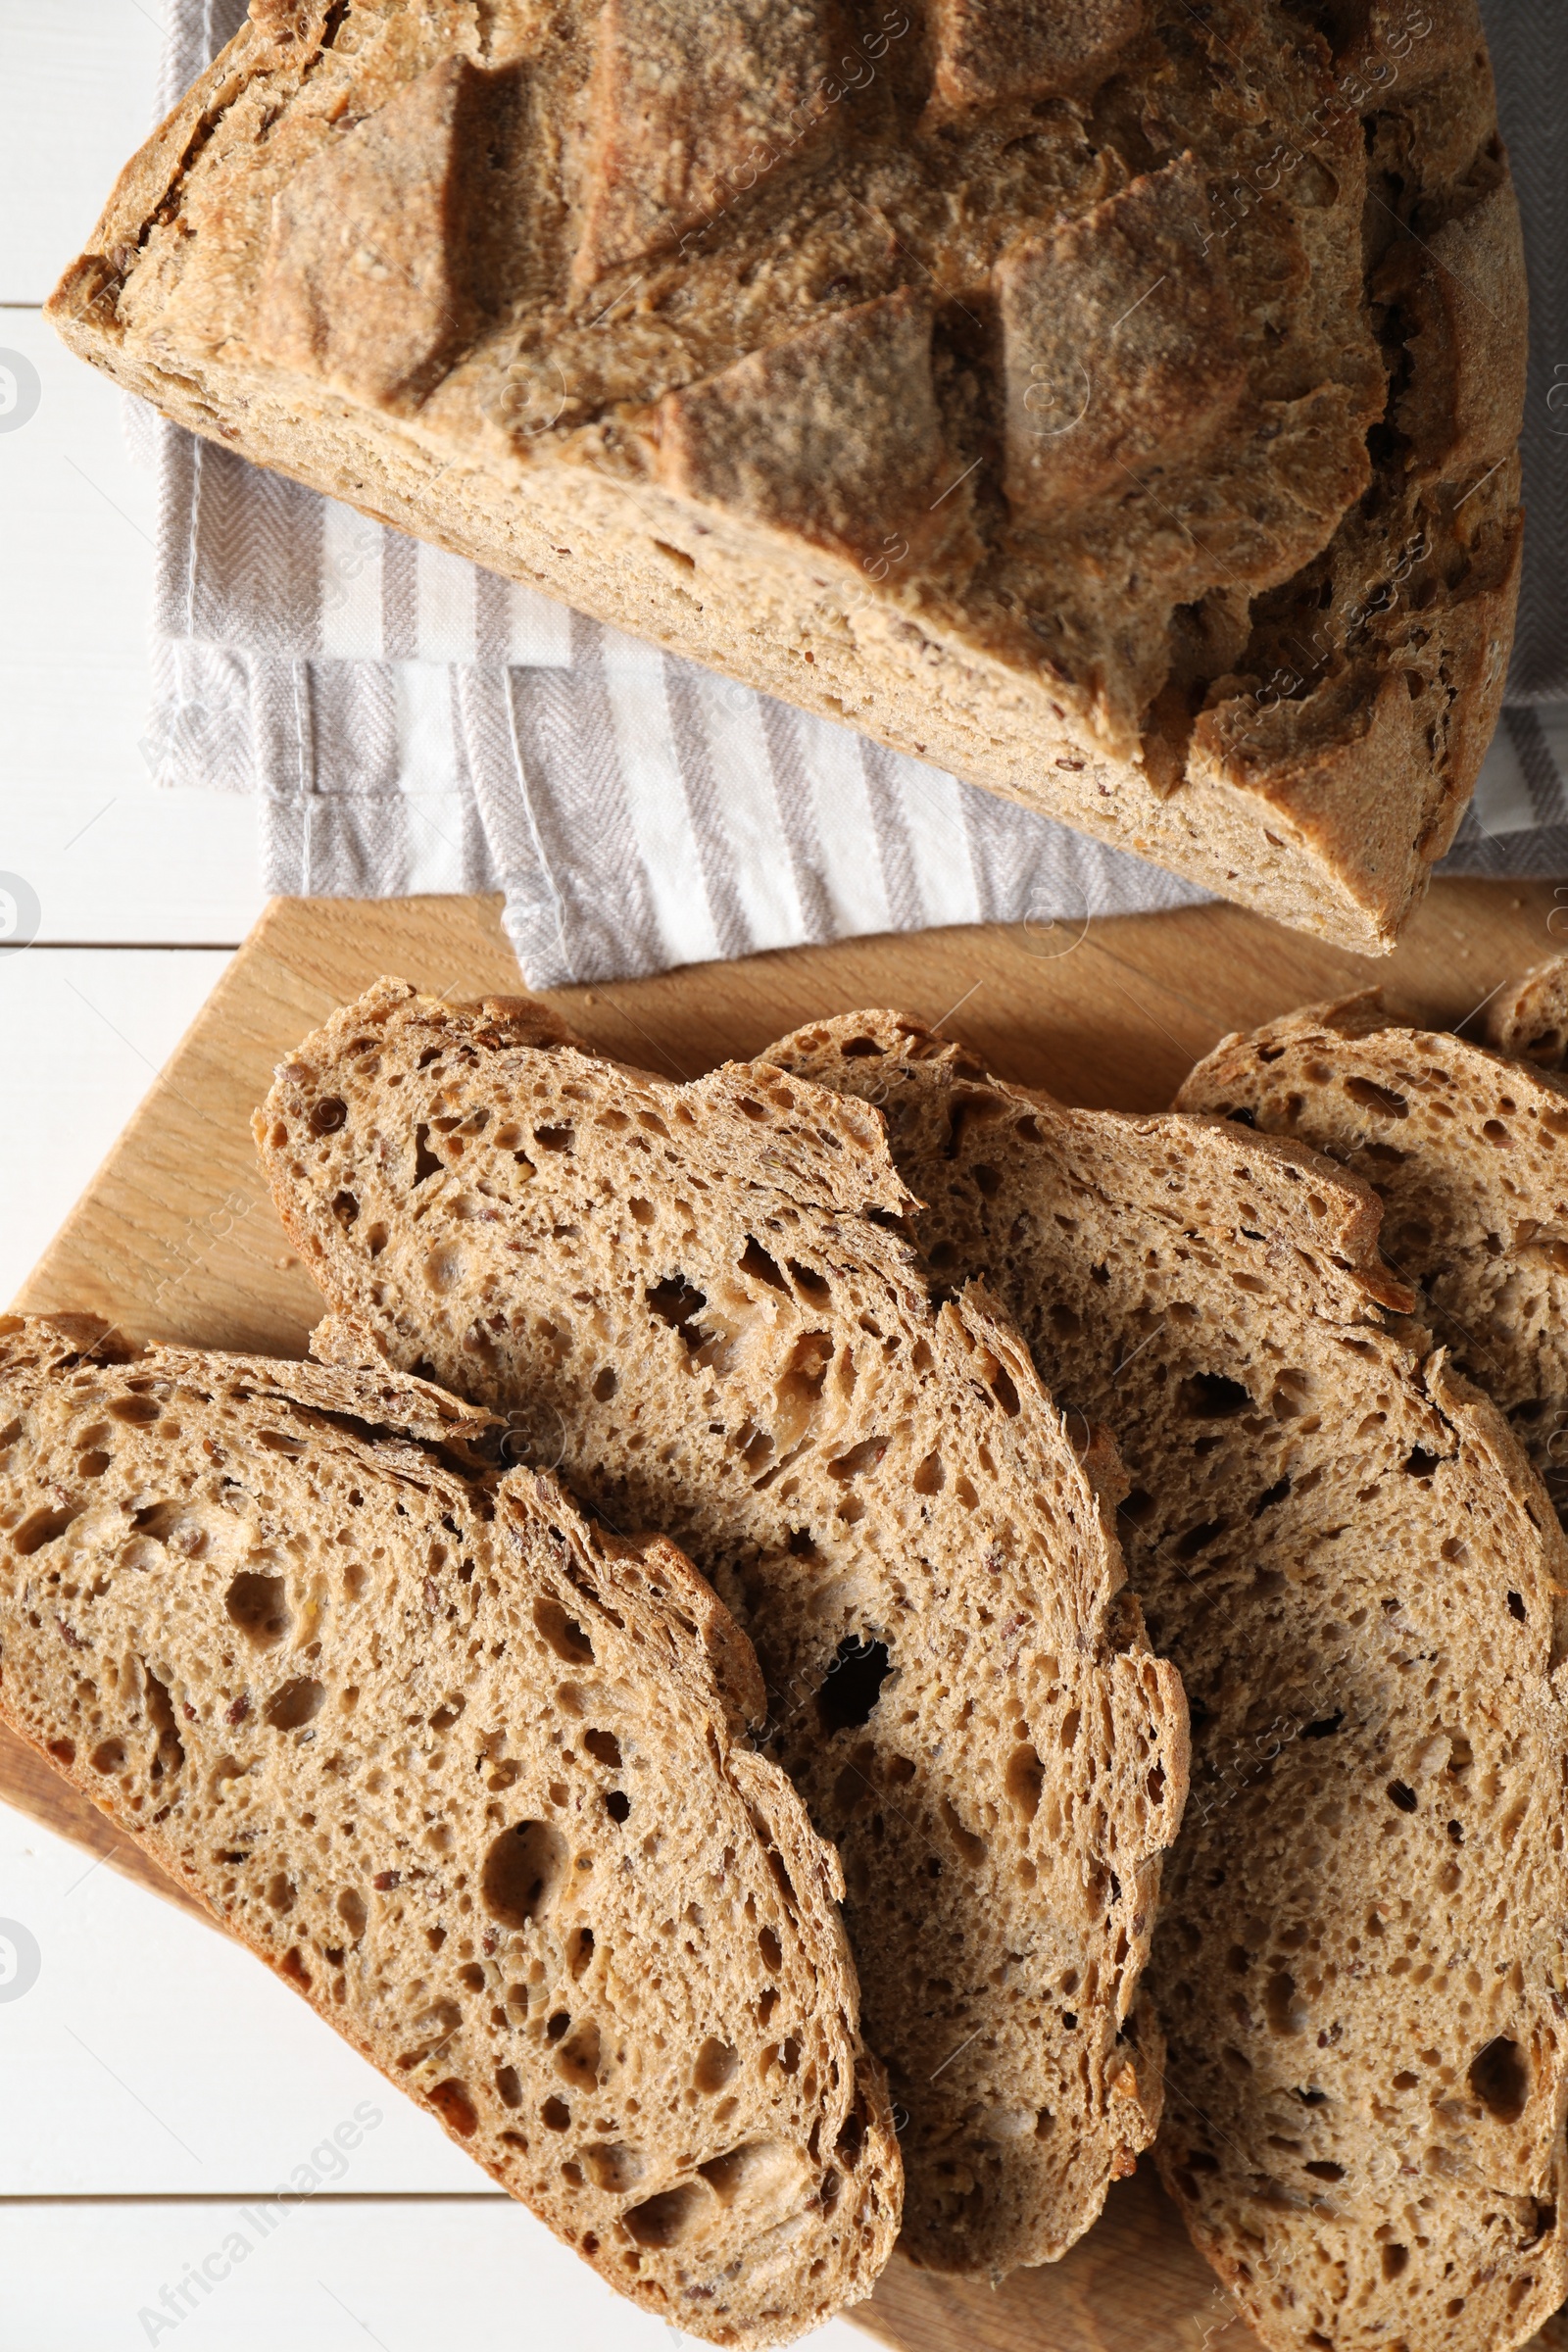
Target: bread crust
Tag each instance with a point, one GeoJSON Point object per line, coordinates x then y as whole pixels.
{"type": "Point", "coordinates": [711, 1289]}
{"type": "Point", "coordinates": [1461, 1145]}
{"type": "Point", "coordinates": [1186, 612]}
{"type": "Point", "coordinates": [185, 1626]}
{"type": "Point", "coordinates": [1528, 1020]}
{"type": "Point", "coordinates": [1342, 1544]}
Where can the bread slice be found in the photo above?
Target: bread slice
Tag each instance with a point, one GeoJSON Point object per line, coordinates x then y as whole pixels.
{"type": "Point", "coordinates": [710, 1288]}
{"type": "Point", "coordinates": [1529, 1020]}
{"type": "Point", "coordinates": [472, 1775]}
{"type": "Point", "coordinates": [1468, 1153]}
{"type": "Point", "coordinates": [1358, 1965]}
{"type": "Point", "coordinates": [977, 377]}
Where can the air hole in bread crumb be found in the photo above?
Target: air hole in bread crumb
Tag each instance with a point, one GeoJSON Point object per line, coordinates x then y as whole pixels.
{"type": "Point", "coordinates": [297, 1703]}
{"type": "Point", "coordinates": [605, 1746]}
{"type": "Point", "coordinates": [108, 1756]}
{"type": "Point", "coordinates": [1381, 1098]}
{"type": "Point", "coordinates": [425, 1162]}
{"type": "Point", "coordinates": [714, 2065]}
{"type": "Point", "coordinates": [1325, 1727]}
{"type": "Point", "coordinates": [605, 1384]}
{"type": "Point", "coordinates": [280, 1891]}
{"type": "Point", "coordinates": [353, 1911]}
{"type": "Point", "coordinates": [564, 1634]}
{"type": "Point", "coordinates": [454, 2107]}
{"type": "Point", "coordinates": [508, 2087]}
{"type": "Point", "coordinates": [852, 1684]}
{"type": "Point", "coordinates": [345, 1207]}
{"type": "Point", "coordinates": [1025, 1778]}
{"type": "Point", "coordinates": [1500, 2078]}
{"type": "Point", "coordinates": [614, 2165]}
{"type": "Point", "coordinates": [756, 1261]}
{"type": "Point", "coordinates": [522, 1871]}
{"type": "Point", "coordinates": [139, 1411]}
{"type": "Point", "coordinates": [1402, 1796]}
{"type": "Point", "coordinates": [41, 1527]}
{"type": "Point", "coordinates": [771, 1950]}
{"type": "Point", "coordinates": [578, 2059]}
{"type": "Point", "coordinates": [663, 2220]}
{"type": "Point", "coordinates": [675, 1302]}
{"type": "Point", "coordinates": [617, 1804]}
{"type": "Point", "coordinates": [971, 1846]}
{"type": "Point", "coordinates": [1210, 1396]}
{"type": "Point", "coordinates": [258, 1605]}
{"type": "Point", "coordinates": [328, 1115]}
{"type": "Point", "coordinates": [864, 1456]}
{"type": "Point", "coordinates": [1395, 2260]}
{"type": "Point", "coordinates": [1516, 1606]}
{"type": "Point", "coordinates": [1286, 2015]}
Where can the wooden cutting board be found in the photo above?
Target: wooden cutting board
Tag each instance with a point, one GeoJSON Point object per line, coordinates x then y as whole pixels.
{"type": "Point", "coordinates": [175, 1239]}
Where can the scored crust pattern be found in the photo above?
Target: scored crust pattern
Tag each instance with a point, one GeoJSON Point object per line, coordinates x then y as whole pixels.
{"type": "Point", "coordinates": [1117, 403]}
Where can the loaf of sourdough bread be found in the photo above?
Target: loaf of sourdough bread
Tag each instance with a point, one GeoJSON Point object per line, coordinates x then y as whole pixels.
{"type": "Point", "coordinates": [1360, 1961]}
{"type": "Point", "coordinates": [700, 1301]}
{"type": "Point", "coordinates": [472, 1775]}
{"type": "Point", "coordinates": [1469, 1155]}
{"type": "Point", "coordinates": [1113, 404]}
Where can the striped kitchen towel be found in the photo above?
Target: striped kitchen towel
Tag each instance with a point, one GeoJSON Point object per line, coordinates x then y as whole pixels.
{"type": "Point", "coordinates": [411, 723]}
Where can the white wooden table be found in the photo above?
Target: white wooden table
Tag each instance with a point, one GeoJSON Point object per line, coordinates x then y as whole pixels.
{"type": "Point", "coordinates": [155, 2081]}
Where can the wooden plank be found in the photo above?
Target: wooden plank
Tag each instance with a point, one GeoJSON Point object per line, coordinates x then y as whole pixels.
{"type": "Point", "coordinates": [153, 2056]}
{"type": "Point", "coordinates": [77, 98]}
{"type": "Point", "coordinates": [85, 1031]}
{"type": "Point", "coordinates": [174, 1238]}
{"type": "Point", "coordinates": [106, 854]}
{"type": "Point", "coordinates": [335, 2273]}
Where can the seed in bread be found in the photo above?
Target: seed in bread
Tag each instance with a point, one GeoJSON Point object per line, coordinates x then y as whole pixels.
{"type": "Point", "coordinates": [473, 1776]}
{"type": "Point", "coordinates": [709, 1287]}
{"type": "Point", "coordinates": [1115, 404]}
{"type": "Point", "coordinates": [1360, 1961]}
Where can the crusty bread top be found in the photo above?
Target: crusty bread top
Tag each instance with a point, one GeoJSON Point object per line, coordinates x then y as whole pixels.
{"type": "Point", "coordinates": [1342, 1547]}
{"type": "Point", "coordinates": [1529, 1019]}
{"type": "Point", "coordinates": [1060, 333]}
{"type": "Point", "coordinates": [457, 1765]}
{"type": "Point", "coordinates": [701, 1302]}
{"type": "Point", "coordinates": [1468, 1153]}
